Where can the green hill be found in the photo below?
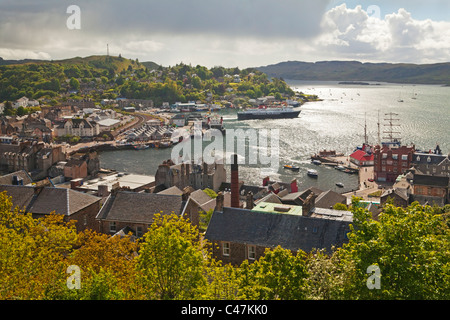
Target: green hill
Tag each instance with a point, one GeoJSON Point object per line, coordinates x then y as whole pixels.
{"type": "Point", "coordinates": [356, 71]}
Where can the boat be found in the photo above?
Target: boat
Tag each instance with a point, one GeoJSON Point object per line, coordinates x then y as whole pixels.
{"type": "Point", "coordinates": [340, 184]}
{"type": "Point", "coordinates": [312, 173]}
{"type": "Point", "coordinates": [340, 168]}
{"type": "Point", "coordinates": [263, 112]}
{"type": "Point", "coordinates": [292, 168]}
{"type": "Point", "coordinates": [317, 162]}
{"type": "Point", "coordinates": [141, 147]}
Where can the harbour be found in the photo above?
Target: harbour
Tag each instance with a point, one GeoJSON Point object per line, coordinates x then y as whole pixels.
{"type": "Point", "coordinates": [331, 124]}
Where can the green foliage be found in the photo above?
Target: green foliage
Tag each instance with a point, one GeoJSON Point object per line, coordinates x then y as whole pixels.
{"type": "Point", "coordinates": [410, 246]}
{"type": "Point", "coordinates": [279, 274]}
{"type": "Point", "coordinates": [171, 260]}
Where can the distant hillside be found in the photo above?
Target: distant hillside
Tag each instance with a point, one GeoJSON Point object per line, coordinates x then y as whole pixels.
{"type": "Point", "coordinates": [9, 62]}
{"type": "Point", "coordinates": [150, 65]}
{"type": "Point", "coordinates": [357, 71]}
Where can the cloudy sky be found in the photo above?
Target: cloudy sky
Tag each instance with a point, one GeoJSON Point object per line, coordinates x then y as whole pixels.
{"type": "Point", "coordinates": [243, 33]}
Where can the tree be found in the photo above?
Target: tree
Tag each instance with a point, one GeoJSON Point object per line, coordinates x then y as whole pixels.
{"type": "Point", "coordinates": [171, 259]}
{"type": "Point", "coordinates": [74, 84]}
{"type": "Point", "coordinates": [279, 274]}
{"type": "Point", "coordinates": [32, 252]}
{"type": "Point", "coordinates": [21, 111]}
{"type": "Point", "coordinates": [409, 246]}
{"type": "Point", "coordinates": [9, 110]}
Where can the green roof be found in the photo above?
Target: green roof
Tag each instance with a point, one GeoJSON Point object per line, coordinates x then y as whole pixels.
{"type": "Point", "coordinates": [269, 207]}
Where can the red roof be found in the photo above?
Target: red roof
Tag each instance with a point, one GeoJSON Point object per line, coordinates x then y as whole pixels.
{"type": "Point", "coordinates": [362, 156]}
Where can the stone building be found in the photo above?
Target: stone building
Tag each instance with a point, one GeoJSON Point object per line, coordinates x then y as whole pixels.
{"type": "Point", "coordinates": [189, 174]}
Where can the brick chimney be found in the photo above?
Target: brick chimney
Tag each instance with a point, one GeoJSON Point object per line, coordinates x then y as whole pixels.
{"type": "Point", "coordinates": [219, 202]}
{"type": "Point", "coordinates": [235, 183]}
{"type": "Point", "coordinates": [249, 200]}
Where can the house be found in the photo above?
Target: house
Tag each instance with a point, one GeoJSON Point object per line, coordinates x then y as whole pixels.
{"type": "Point", "coordinates": [75, 169]}
{"type": "Point", "coordinates": [41, 201]}
{"type": "Point", "coordinates": [432, 163]}
{"type": "Point", "coordinates": [242, 234]}
{"type": "Point", "coordinates": [390, 161]}
{"type": "Point", "coordinates": [431, 189]}
{"type": "Point", "coordinates": [25, 102]}
{"type": "Point", "coordinates": [18, 178]}
{"type": "Point", "coordinates": [135, 211]}
{"type": "Point", "coordinates": [199, 202]}
{"type": "Point", "coordinates": [362, 158]}
{"type": "Point", "coordinates": [398, 196]}
{"type": "Point", "coordinates": [328, 199]}
{"type": "Point", "coordinates": [299, 198]}
{"type": "Point", "coordinates": [77, 127]}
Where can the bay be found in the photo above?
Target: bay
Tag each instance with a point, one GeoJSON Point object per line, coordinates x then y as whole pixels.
{"type": "Point", "coordinates": [336, 123]}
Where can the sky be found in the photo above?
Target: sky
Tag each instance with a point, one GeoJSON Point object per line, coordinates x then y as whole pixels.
{"type": "Point", "coordinates": [229, 33]}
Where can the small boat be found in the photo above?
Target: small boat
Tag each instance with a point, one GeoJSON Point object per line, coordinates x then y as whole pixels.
{"type": "Point", "coordinates": [340, 184]}
{"type": "Point", "coordinates": [340, 168]}
{"type": "Point", "coordinates": [317, 162]}
{"type": "Point", "coordinates": [292, 168]}
{"type": "Point", "coordinates": [312, 173]}
{"type": "Point", "coordinates": [141, 147]}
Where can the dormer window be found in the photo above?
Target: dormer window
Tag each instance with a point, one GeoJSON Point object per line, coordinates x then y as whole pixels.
{"type": "Point", "coordinates": [429, 159]}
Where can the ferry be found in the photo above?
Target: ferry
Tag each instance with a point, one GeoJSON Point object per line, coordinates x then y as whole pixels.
{"type": "Point", "coordinates": [264, 112]}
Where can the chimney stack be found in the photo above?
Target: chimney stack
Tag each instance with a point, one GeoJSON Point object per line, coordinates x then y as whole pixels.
{"type": "Point", "coordinates": [249, 201]}
{"type": "Point", "coordinates": [235, 183]}
{"type": "Point", "coordinates": [219, 202]}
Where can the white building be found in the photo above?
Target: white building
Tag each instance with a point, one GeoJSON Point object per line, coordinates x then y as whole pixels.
{"type": "Point", "coordinates": [78, 127]}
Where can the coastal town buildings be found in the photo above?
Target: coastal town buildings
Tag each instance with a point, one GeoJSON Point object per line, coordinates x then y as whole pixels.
{"type": "Point", "coordinates": [43, 200]}
{"type": "Point", "coordinates": [199, 176]}
{"type": "Point", "coordinates": [391, 160]}
{"type": "Point", "coordinates": [133, 212]}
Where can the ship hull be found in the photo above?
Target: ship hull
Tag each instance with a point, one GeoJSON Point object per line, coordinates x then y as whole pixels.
{"type": "Point", "coordinates": [267, 115]}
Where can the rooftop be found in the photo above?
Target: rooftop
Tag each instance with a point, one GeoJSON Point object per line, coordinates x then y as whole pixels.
{"type": "Point", "coordinates": [132, 181]}
{"type": "Point", "coordinates": [270, 207]}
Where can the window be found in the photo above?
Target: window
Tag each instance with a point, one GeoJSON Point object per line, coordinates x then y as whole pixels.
{"type": "Point", "coordinates": [404, 157]}
{"type": "Point", "coordinates": [112, 226]}
{"type": "Point", "coordinates": [395, 156]}
{"type": "Point", "coordinates": [384, 155]}
{"type": "Point", "coordinates": [139, 232]}
{"type": "Point", "coordinates": [251, 252]}
{"type": "Point", "coordinates": [85, 221]}
{"type": "Point", "coordinates": [226, 248]}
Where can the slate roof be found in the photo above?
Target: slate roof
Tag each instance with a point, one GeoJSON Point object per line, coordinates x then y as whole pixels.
{"type": "Point", "coordinates": [328, 199]}
{"type": "Point", "coordinates": [270, 230]}
{"type": "Point", "coordinates": [426, 180]}
{"type": "Point", "coordinates": [61, 200]}
{"type": "Point", "coordinates": [139, 207]}
{"type": "Point", "coordinates": [22, 174]}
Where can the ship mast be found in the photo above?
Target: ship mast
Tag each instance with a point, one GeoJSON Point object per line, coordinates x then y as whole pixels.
{"type": "Point", "coordinates": [391, 124]}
